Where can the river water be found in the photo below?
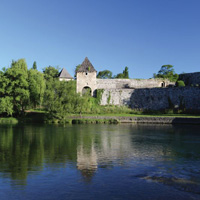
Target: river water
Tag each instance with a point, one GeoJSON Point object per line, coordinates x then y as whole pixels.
{"type": "Point", "coordinates": [99, 162]}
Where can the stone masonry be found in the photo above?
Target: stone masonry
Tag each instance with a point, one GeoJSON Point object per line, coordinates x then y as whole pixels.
{"type": "Point", "coordinates": [154, 98]}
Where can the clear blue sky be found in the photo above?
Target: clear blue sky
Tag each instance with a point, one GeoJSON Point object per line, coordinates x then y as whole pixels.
{"type": "Point", "coordinates": [140, 34]}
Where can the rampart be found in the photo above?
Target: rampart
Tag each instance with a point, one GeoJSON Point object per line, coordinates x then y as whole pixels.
{"type": "Point", "coordinates": [131, 83]}
{"type": "Point", "coordinates": [190, 78]}
{"type": "Point", "coordinates": [154, 98]}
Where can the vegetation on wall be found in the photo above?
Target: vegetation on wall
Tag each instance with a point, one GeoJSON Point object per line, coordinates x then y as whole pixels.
{"type": "Point", "coordinates": [109, 98]}
{"type": "Point", "coordinates": [180, 83]}
{"type": "Point", "coordinates": [99, 93]}
{"type": "Point", "coordinates": [106, 74]}
{"type": "Point", "coordinates": [167, 72]}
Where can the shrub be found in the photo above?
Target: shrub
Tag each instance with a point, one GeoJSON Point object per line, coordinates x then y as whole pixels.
{"type": "Point", "coordinates": [180, 83]}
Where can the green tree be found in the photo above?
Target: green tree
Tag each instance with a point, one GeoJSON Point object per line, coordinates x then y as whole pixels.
{"type": "Point", "coordinates": [6, 105]}
{"type": "Point", "coordinates": [36, 87]}
{"type": "Point", "coordinates": [124, 74]}
{"type": "Point", "coordinates": [50, 72]}
{"type": "Point", "coordinates": [106, 74]}
{"type": "Point", "coordinates": [34, 65]}
{"type": "Point", "coordinates": [120, 75]}
{"type": "Point", "coordinates": [18, 87]}
{"type": "Point", "coordinates": [167, 72]}
{"type": "Point", "coordinates": [60, 98]}
{"type": "Point", "coordinates": [76, 69]}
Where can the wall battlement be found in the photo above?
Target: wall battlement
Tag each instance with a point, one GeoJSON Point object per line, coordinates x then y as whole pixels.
{"type": "Point", "coordinates": [131, 83]}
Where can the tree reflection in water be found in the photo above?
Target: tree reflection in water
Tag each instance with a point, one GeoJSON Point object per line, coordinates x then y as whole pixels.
{"type": "Point", "coordinates": [27, 149]}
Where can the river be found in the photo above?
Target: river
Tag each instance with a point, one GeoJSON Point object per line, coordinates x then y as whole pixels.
{"type": "Point", "coordinates": [99, 162]}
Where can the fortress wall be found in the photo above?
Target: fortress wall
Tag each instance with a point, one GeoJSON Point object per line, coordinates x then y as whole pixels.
{"type": "Point", "coordinates": [190, 78]}
{"type": "Point", "coordinates": [117, 97]}
{"type": "Point", "coordinates": [154, 98]}
{"type": "Point", "coordinates": [130, 83]}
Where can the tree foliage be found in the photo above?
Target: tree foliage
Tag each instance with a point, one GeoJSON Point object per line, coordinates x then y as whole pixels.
{"type": "Point", "coordinates": [167, 72]}
{"type": "Point", "coordinates": [17, 87]}
{"type": "Point", "coordinates": [106, 74]}
{"type": "Point", "coordinates": [36, 87]}
{"type": "Point", "coordinates": [76, 69]}
{"type": "Point", "coordinates": [20, 88]}
{"type": "Point", "coordinates": [34, 65]}
{"type": "Point", "coordinates": [50, 72]}
{"type": "Point", "coordinates": [124, 74]}
{"type": "Point", "coordinates": [180, 83]}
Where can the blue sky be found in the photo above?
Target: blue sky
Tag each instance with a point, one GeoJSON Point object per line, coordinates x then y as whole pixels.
{"type": "Point", "coordinates": [140, 34]}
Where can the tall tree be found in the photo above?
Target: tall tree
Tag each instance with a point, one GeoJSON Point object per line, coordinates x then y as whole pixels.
{"type": "Point", "coordinates": [167, 71]}
{"type": "Point", "coordinates": [6, 102]}
{"type": "Point", "coordinates": [18, 87]}
{"type": "Point", "coordinates": [124, 74]}
{"type": "Point", "coordinates": [36, 87]}
{"type": "Point", "coordinates": [34, 65]}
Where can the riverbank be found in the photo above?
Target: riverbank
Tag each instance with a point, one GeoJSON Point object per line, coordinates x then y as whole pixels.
{"type": "Point", "coordinates": [9, 120]}
{"type": "Point", "coordinates": [38, 117]}
{"type": "Point", "coordinates": [137, 119]}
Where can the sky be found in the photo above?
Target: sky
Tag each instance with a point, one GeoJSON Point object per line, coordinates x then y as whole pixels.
{"type": "Point", "coordinates": [140, 34]}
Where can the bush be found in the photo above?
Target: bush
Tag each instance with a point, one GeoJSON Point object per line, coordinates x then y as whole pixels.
{"type": "Point", "coordinates": [180, 83]}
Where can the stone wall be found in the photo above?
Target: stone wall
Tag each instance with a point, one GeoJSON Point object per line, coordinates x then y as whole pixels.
{"type": "Point", "coordinates": [117, 97]}
{"type": "Point", "coordinates": [131, 83]}
{"type": "Point", "coordinates": [190, 78]}
{"type": "Point", "coordinates": [154, 98]}
{"type": "Point", "coordinates": [162, 98]}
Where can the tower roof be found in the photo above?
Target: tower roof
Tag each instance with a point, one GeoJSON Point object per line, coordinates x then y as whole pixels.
{"type": "Point", "coordinates": [64, 74]}
{"type": "Point", "coordinates": [86, 66]}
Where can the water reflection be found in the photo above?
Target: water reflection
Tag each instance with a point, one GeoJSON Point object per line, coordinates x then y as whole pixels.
{"type": "Point", "coordinates": [163, 149]}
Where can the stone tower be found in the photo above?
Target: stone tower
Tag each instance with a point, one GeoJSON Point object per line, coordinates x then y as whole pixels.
{"type": "Point", "coordinates": [86, 78]}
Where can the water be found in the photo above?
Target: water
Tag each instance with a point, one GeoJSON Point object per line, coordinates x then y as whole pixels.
{"type": "Point", "coordinates": [99, 162]}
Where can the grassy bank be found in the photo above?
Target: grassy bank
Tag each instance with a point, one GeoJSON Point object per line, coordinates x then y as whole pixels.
{"type": "Point", "coordinates": [109, 118]}
{"type": "Point", "coordinates": [9, 120]}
